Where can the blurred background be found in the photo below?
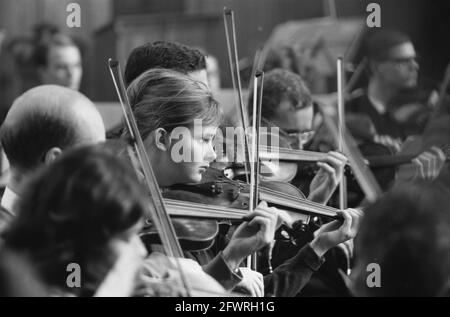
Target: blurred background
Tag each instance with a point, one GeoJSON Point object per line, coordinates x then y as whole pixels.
{"type": "Point", "coordinates": [112, 28]}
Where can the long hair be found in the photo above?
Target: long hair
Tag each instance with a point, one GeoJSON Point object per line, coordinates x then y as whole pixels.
{"type": "Point", "coordinates": [71, 211]}
{"type": "Point", "coordinates": [162, 98]}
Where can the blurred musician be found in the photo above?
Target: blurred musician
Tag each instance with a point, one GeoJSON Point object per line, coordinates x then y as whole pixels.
{"type": "Point", "coordinates": [86, 208]}
{"type": "Point", "coordinates": [41, 124]}
{"type": "Point", "coordinates": [58, 60]}
{"type": "Point", "coordinates": [404, 237]}
{"type": "Point", "coordinates": [393, 105]}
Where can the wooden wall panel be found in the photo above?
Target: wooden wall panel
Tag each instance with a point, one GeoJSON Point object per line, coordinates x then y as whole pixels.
{"type": "Point", "coordinates": [18, 16]}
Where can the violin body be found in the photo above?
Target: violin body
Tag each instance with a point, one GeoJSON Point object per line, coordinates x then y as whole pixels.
{"type": "Point", "coordinates": [384, 175]}
{"type": "Point", "coordinates": [199, 234]}
{"type": "Point", "coordinates": [411, 146]}
{"type": "Point", "coordinates": [192, 234]}
{"type": "Point", "coordinates": [216, 189]}
{"type": "Point", "coordinates": [413, 107]}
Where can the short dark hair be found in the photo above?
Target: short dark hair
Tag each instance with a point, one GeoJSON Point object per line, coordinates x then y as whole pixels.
{"type": "Point", "coordinates": [281, 85]}
{"type": "Point", "coordinates": [69, 213]}
{"type": "Point", "coordinates": [40, 55]}
{"type": "Point", "coordinates": [407, 233]}
{"type": "Point", "coordinates": [281, 57]}
{"type": "Point", "coordinates": [378, 43]}
{"type": "Point", "coordinates": [26, 143]}
{"type": "Point", "coordinates": [43, 30]}
{"type": "Point", "coordinates": [161, 54]}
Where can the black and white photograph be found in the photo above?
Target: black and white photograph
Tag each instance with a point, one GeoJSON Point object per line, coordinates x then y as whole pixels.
{"type": "Point", "coordinates": [225, 150]}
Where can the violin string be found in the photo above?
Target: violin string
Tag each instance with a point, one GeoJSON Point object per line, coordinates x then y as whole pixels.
{"type": "Point", "coordinates": [293, 200]}
{"type": "Point", "coordinates": [281, 194]}
{"type": "Point", "coordinates": [304, 155]}
{"type": "Point", "coordinates": [206, 213]}
{"type": "Point", "coordinates": [233, 60]}
{"type": "Point", "coordinates": [202, 208]}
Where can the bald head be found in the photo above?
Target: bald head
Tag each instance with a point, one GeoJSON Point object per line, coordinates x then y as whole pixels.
{"type": "Point", "coordinates": [48, 117]}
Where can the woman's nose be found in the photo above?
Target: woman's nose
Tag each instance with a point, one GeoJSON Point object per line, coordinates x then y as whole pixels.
{"type": "Point", "coordinates": [142, 250]}
{"type": "Point", "coordinates": [210, 154]}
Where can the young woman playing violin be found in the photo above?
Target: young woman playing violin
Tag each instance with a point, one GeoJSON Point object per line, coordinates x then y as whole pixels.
{"type": "Point", "coordinates": [166, 104]}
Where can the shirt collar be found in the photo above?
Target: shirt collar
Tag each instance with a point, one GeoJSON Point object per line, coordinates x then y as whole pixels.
{"type": "Point", "coordinates": [378, 106]}
{"type": "Point", "coordinates": [9, 200]}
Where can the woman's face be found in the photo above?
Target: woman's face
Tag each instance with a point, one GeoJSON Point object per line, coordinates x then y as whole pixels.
{"type": "Point", "coordinates": [183, 155]}
{"type": "Point", "coordinates": [191, 152]}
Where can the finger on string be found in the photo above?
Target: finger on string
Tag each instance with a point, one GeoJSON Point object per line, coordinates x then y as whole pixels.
{"type": "Point", "coordinates": [419, 167]}
{"type": "Point", "coordinates": [441, 158]}
{"type": "Point", "coordinates": [338, 155]}
{"type": "Point", "coordinates": [327, 168]}
{"type": "Point", "coordinates": [334, 161]}
{"type": "Point", "coordinates": [262, 222]}
{"type": "Point", "coordinates": [347, 224]}
{"type": "Point", "coordinates": [427, 160]}
{"type": "Point", "coordinates": [282, 217]}
{"type": "Point", "coordinates": [356, 218]}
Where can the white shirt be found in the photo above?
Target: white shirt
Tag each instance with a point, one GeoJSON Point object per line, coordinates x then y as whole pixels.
{"type": "Point", "coordinates": [379, 107]}
{"type": "Point", "coordinates": [9, 200]}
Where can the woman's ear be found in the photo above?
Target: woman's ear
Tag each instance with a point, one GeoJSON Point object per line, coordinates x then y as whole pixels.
{"type": "Point", "coordinates": [52, 155]}
{"type": "Point", "coordinates": [162, 139]}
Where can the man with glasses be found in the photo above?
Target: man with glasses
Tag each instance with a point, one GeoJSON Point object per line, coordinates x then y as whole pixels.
{"type": "Point", "coordinates": [287, 104]}
{"type": "Point", "coordinates": [392, 67]}
{"type": "Point", "coordinates": [393, 72]}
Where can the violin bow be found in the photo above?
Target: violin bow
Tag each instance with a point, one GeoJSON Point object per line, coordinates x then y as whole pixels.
{"type": "Point", "coordinates": [255, 163]}
{"type": "Point", "coordinates": [444, 86]}
{"type": "Point", "coordinates": [360, 168]}
{"type": "Point", "coordinates": [233, 61]}
{"type": "Point", "coordinates": [256, 130]}
{"type": "Point", "coordinates": [359, 71]}
{"type": "Point", "coordinates": [341, 130]}
{"type": "Point", "coordinates": [157, 210]}
{"type": "Point", "coordinates": [236, 80]}
{"type": "Point", "coordinates": [256, 65]}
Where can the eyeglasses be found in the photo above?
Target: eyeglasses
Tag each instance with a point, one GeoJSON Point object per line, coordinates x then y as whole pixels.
{"type": "Point", "coordinates": [404, 61]}
{"type": "Point", "coordinates": [299, 138]}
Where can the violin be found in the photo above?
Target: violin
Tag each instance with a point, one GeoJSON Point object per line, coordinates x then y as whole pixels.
{"type": "Point", "coordinates": [217, 187]}
{"type": "Point", "coordinates": [285, 163]}
{"type": "Point", "coordinates": [200, 211]}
